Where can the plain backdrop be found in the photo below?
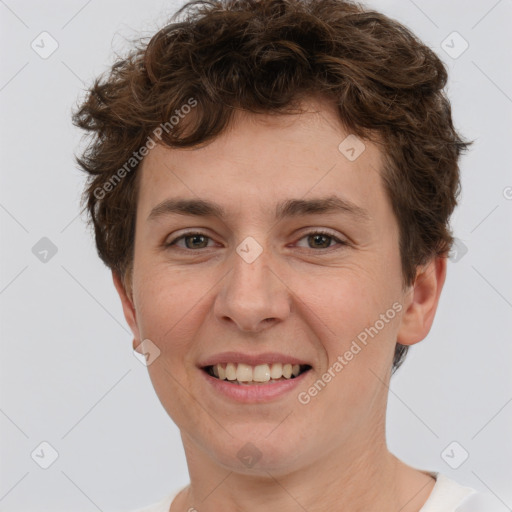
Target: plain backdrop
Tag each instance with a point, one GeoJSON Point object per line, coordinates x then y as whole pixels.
{"type": "Point", "coordinates": [69, 378]}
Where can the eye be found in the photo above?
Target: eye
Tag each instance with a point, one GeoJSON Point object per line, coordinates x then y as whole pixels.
{"type": "Point", "coordinates": [197, 241]}
{"type": "Point", "coordinates": [321, 239]}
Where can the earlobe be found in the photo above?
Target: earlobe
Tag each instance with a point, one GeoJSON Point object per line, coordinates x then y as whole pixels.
{"type": "Point", "coordinates": [421, 302]}
{"type": "Point", "coordinates": [128, 308]}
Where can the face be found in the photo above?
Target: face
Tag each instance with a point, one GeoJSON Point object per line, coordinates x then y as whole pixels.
{"type": "Point", "coordinates": [277, 274]}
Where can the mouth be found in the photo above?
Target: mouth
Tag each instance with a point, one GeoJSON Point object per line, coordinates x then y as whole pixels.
{"type": "Point", "coordinates": [263, 374]}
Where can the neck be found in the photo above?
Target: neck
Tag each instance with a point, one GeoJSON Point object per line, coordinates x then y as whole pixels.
{"type": "Point", "coordinates": [349, 479]}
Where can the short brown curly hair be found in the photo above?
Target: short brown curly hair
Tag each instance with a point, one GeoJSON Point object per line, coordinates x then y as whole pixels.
{"type": "Point", "coordinates": [263, 56]}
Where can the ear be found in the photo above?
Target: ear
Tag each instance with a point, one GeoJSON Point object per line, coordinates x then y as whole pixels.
{"type": "Point", "coordinates": [421, 302]}
{"type": "Point", "coordinates": [128, 308]}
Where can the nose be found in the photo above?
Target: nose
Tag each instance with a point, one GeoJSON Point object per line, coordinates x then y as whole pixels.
{"type": "Point", "coordinates": [253, 296]}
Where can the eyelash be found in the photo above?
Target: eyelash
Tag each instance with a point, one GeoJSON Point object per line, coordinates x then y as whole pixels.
{"type": "Point", "coordinates": [310, 233]}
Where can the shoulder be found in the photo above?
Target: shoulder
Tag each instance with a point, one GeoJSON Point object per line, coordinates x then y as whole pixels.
{"type": "Point", "coordinates": [480, 502]}
{"type": "Point", "coordinates": [451, 496]}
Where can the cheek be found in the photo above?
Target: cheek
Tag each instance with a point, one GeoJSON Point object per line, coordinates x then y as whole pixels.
{"type": "Point", "coordinates": [166, 302]}
{"type": "Point", "coordinates": [170, 307]}
{"type": "Point", "coordinates": [354, 316]}
{"type": "Point", "coordinates": [347, 298]}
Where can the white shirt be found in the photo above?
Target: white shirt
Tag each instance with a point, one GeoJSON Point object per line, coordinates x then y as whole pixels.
{"type": "Point", "coordinates": [446, 496]}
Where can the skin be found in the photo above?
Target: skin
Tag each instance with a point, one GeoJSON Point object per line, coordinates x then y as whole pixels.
{"type": "Point", "coordinates": [297, 297]}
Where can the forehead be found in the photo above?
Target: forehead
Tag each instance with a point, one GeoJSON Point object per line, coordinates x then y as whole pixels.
{"type": "Point", "coordinates": [261, 159]}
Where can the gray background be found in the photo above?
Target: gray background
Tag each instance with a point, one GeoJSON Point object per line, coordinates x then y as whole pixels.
{"type": "Point", "coordinates": [68, 373]}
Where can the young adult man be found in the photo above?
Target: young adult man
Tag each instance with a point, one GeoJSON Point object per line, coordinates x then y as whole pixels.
{"type": "Point", "coordinates": [271, 183]}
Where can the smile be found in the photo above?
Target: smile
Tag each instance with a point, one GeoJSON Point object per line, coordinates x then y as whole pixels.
{"type": "Point", "coordinates": [244, 374]}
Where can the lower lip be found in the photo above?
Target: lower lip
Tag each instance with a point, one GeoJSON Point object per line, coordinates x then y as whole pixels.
{"type": "Point", "coordinates": [256, 393]}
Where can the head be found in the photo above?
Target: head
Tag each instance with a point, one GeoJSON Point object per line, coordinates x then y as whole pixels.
{"type": "Point", "coordinates": [249, 104]}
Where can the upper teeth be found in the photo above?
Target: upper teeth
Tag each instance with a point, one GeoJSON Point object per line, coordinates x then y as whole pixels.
{"type": "Point", "coordinates": [260, 373]}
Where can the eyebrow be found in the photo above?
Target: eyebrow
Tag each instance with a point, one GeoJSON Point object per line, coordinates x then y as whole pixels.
{"type": "Point", "coordinates": [286, 209]}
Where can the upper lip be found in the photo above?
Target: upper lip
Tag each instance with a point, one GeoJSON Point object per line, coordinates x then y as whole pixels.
{"type": "Point", "coordinates": [250, 359]}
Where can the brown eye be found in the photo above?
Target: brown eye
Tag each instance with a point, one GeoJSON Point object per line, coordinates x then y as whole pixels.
{"type": "Point", "coordinates": [192, 241]}
{"type": "Point", "coordinates": [321, 240]}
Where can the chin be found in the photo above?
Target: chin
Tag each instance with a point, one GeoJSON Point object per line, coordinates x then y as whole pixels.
{"type": "Point", "coordinates": [258, 454]}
